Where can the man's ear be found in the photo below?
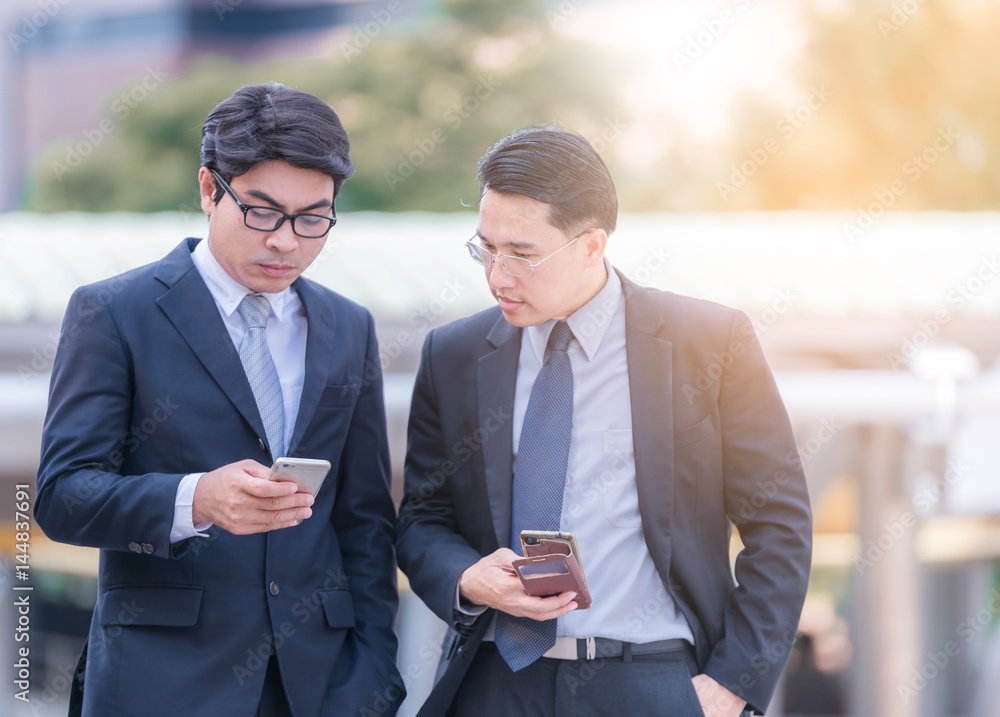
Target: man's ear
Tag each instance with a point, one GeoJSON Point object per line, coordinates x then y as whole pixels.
{"type": "Point", "coordinates": [594, 243]}
{"type": "Point", "coordinates": [206, 188]}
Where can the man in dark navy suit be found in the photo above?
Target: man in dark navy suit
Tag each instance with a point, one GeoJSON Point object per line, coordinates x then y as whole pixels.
{"type": "Point", "coordinates": [174, 388]}
{"type": "Point", "coordinates": [645, 423]}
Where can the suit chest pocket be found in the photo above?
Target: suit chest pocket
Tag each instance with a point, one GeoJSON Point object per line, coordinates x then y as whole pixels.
{"type": "Point", "coordinates": [621, 498]}
{"type": "Point", "coordinates": [339, 396]}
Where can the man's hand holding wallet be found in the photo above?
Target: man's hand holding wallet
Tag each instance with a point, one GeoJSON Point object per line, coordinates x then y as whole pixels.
{"type": "Point", "coordinates": [494, 581]}
{"type": "Point", "coordinates": [551, 565]}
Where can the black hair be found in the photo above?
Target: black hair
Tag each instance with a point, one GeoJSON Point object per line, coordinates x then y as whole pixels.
{"type": "Point", "coordinates": [558, 167]}
{"type": "Point", "coordinates": [260, 123]}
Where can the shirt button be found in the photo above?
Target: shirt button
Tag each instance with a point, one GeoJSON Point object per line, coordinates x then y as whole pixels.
{"type": "Point", "coordinates": [273, 588]}
{"type": "Point", "coordinates": [568, 480]}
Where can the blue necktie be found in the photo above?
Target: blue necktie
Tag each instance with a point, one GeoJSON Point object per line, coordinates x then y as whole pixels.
{"type": "Point", "coordinates": [263, 377]}
{"type": "Point", "coordinates": [539, 481]}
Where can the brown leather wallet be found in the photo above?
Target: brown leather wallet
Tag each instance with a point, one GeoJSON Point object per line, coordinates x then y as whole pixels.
{"type": "Point", "coordinates": [550, 568]}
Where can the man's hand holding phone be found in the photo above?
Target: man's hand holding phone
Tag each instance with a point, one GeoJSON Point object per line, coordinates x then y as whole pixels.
{"type": "Point", "coordinates": [240, 499]}
{"type": "Point", "coordinates": [488, 582]}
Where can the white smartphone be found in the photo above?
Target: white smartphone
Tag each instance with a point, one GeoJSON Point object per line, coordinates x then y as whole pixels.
{"type": "Point", "coordinates": [307, 473]}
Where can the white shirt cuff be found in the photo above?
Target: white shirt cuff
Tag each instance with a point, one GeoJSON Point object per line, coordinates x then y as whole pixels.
{"type": "Point", "coordinates": [183, 526]}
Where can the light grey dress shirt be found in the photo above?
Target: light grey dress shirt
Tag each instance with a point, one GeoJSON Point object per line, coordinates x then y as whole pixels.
{"type": "Point", "coordinates": [601, 500]}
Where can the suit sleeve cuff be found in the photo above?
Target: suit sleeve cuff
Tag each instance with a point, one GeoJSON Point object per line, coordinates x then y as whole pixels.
{"type": "Point", "coordinates": [183, 526]}
{"type": "Point", "coordinates": [466, 613]}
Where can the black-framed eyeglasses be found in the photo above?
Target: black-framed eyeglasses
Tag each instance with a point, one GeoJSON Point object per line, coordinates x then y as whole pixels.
{"type": "Point", "coordinates": [268, 219]}
{"type": "Point", "coordinates": [516, 266]}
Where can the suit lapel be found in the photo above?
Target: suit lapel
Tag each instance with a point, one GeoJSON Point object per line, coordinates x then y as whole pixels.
{"type": "Point", "coordinates": [190, 307]}
{"type": "Point", "coordinates": [319, 355]}
{"type": "Point", "coordinates": [651, 392]}
{"type": "Point", "coordinates": [497, 373]}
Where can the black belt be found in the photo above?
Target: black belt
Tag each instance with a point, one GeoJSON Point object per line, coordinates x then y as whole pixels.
{"type": "Point", "coordinates": [593, 648]}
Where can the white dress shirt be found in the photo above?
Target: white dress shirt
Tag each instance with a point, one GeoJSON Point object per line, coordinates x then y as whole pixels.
{"type": "Point", "coordinates": [287, 330]}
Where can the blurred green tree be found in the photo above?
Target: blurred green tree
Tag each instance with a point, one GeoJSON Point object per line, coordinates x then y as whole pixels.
{"type": "Point", "coordinates": [421, 98]}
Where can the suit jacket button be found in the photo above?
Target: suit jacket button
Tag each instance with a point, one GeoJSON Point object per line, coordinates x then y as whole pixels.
{"type": "Point", "coordinates": [147, 548]}
{"type": "Point", "coordinates": [261, 442]}
{"type": "Point", "coordinates": [134, 547]}
{"type": "Point", "coordinates": [273, 588]}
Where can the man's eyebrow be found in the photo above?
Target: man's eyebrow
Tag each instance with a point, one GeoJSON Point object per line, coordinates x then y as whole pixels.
{"type": "Point", "coordinates": [264, 196]}
{"type": "Point", "coordinates": [518, 245]}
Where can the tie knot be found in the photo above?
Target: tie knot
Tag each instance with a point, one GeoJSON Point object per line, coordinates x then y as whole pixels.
{"type": "Point", "coordinates": [560, 337]}
{"type": "Point", "coordinates": [255, 309]}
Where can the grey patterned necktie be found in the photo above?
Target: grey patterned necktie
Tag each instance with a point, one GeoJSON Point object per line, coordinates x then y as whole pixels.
{"type": "Point", "coordinates": [263, 377]}
{"type": "Point", "coordinates": [539, 481]}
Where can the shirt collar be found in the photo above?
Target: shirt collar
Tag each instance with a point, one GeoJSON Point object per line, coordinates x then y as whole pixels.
{"type": "Point", "coordinates": [589, 323]}
{"type": "Point", "coordinates": [227, 291]}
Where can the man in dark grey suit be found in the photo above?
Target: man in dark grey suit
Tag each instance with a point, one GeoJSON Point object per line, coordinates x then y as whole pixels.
{"type": "Point", "coordinates": [645, 423]}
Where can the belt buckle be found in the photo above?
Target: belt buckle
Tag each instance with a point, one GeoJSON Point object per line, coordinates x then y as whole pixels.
{"type": "Point", "coordinates": [563, 649]}
{"type": "Point", "coordinates": [568, 648]}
